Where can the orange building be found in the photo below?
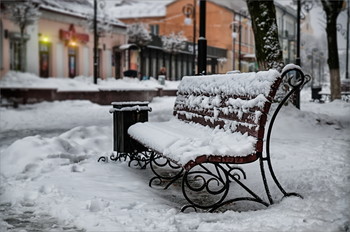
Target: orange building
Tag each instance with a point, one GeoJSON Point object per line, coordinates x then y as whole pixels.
{"type": "Point", "coordinates": [228, 30]}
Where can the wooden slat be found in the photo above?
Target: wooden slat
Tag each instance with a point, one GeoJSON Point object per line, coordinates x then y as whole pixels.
{"type": "Point", "coordinates": [248, 117]}
{"type": "Point", "coordinates": [254, 130]}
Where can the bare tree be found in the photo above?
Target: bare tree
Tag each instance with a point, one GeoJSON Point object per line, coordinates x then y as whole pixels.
{"type": "Point", "coordinates": [174, 42]}
{"type": "Point", "coordinates": [23, 14]}
{"type": "Point", "coordinates": [333, 9]}
{"type": "Point", "coordinates": [139, 35]}
{"type": "Point", "coordinates": [268, 49]}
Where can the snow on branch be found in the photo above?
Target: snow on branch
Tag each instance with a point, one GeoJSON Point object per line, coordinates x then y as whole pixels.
{"type": "Point", "coordinates": [23, 13]}
{"type": "Point", "coordinates": [103, 25]}
{"type": "Point", "coordinates": [138, 34]}
{"type": "Point", "coordinates": [174, 42]}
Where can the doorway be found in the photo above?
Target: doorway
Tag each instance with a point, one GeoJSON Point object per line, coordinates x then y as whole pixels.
{"type": "Point", "coordinates": [72, 62]}
{"type": "Point", "coordinates": [44, 59]}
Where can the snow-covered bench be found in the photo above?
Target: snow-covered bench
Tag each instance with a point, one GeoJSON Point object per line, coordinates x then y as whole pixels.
{"type": "Point", "coordinates": [219, 122]}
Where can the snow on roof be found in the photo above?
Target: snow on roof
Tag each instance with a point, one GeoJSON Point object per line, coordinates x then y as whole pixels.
{"type": "Point", "coordinates": [236, 5]}
{"type": "Point", "coordinates": [140, 9]}
{"type": "Point", "coordinates": [78, 8]}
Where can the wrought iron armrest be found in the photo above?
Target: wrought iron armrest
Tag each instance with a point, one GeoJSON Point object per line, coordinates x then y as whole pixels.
{"type": "Point", "coordinates": [296, 81]}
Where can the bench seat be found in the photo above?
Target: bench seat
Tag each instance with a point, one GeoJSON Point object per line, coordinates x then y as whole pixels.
{"type": "Point", "coordinates": [185, 143]}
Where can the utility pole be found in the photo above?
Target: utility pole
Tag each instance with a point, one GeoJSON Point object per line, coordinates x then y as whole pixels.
{"type": "Point", "coordinates": [202, 42]}
{"type": "Point", "coordinates": [95, 42]}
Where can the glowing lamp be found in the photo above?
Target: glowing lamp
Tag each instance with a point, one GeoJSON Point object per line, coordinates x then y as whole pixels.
{"type": "Point", "coordinates": [45, 39]}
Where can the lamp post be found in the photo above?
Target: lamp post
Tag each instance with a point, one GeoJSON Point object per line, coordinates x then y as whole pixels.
{"type": "Point", "coordinates": [297, 61]}
{"type": "Point", "coordinates": [347, 43]}
{"type": "Point", "coordinates": [234, 36]}
{"type": "Point", "coordinates": [95, 42]}
{"type": "Point", "coordinates": [202, 42]}
{"type": "Point", "coordinates": [240, 42]}
{"type": "Point", "coordinates": [241, 13]}
{"type": "Point", "coordinates": [190, 10]}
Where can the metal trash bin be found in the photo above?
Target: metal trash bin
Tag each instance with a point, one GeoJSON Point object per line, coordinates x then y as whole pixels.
{"type": "Point", "coordinates": [161, 79]}
{"type": "Point", "coordinates": [126, 114]}
{"type": "Point", "coordinates": [315, 93]}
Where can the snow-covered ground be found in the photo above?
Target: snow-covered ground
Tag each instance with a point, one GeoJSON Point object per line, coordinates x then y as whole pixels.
{"type": "Point", "coordinates": [81, 83]}
{"type": "Point", "coordinates": [51, 180]}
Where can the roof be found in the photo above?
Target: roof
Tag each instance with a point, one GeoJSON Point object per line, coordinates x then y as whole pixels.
{"type": "Point", "coordinates": [232, 5]}
{"type": "Point", "coordinates": [78, 8]}
{"type": "Point", "coordinates": [139, 9]}
{"type": "Point", "coordinates": [286, 8]}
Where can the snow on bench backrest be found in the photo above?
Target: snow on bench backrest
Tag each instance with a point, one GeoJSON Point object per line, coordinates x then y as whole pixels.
{"type": "Point", "coordinates": [236, 102]}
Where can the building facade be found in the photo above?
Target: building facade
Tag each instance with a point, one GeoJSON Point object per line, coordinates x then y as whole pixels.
{"type": "Point", "coordinates": [286, 18]}
{"type": "Point", "coordinates": [60, 44]}
{"type": "Point", "coordinates": [229, 35]}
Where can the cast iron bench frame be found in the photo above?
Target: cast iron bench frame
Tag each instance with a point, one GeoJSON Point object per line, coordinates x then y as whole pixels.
{"type": "Point", "coordinates": [222, 170]}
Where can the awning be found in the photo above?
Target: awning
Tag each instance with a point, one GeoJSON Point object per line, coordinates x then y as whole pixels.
{"type": "Point", "coordinates": [128, 46]}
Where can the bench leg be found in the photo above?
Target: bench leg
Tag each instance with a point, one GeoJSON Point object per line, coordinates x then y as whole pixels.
{"type": "Point", "coordinates": [205, 186]}
{"type": "Point", "coordinates": [285, 194]}
{"type": "Point", "coordinates": [157, 163]}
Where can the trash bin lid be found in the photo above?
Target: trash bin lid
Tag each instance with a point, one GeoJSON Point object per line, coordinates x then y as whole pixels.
{"type": "Point", "coordinates": [129, 104]}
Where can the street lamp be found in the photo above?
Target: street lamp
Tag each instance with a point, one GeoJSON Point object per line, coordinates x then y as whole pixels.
{"type": "Point", "coordinates": [347, 43]}
{"type": "Point", "coordinates": [234, 37]}
{"type": "Point", "coordinates": [190, 10]}
{"type": "Point", "coordinates": [202, 42]}
{"type": "Point", "coordinates": [241, 13]}
{"type": "Point", "coordinates": [95, 42]}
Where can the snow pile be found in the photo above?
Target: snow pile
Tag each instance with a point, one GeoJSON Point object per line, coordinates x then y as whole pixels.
{"type": "Point", "coordinates": [81, 83]}
{"type": "Point", "coordinates": [34, 155]}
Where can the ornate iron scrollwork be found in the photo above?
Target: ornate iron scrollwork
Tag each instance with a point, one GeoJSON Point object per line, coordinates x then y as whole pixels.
{"type": "Point", "coordinates": [140, 159]}
{"type": "Point", "coordinates": [157, 161]}
{"type": "Point", "coordinates": [206, 186]}
{"type": "Point", "coordinates": [202, 181]}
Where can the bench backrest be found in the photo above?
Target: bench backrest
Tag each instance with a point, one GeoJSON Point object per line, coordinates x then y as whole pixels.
{"type": "Point", "coordinates": [235, 102]}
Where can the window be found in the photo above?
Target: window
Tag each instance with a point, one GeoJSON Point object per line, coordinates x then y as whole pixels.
{"type": "Point", "coordinates": [15, 55]}
{"type": "Point", "coordinates": [154, 28]}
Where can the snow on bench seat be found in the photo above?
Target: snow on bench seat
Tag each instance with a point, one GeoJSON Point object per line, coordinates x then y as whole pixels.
{"type": "Point", "coordinates": [182, 142]}
{"type": "Point", "coordinates": [218, 118]}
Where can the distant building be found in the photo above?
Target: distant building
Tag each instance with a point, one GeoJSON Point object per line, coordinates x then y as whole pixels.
{"type": "Point", "coordinates": [59, 43]}
{"type": "Point", "coordinates": [286, 18]}
{"type": "Point", "coordinates": [228, 49]}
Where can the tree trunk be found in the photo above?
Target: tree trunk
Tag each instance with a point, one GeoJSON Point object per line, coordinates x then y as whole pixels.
{"type": "Point", "coordinates": [268, 50]}
{"type": "Point", "coordinates": [332, 9]}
